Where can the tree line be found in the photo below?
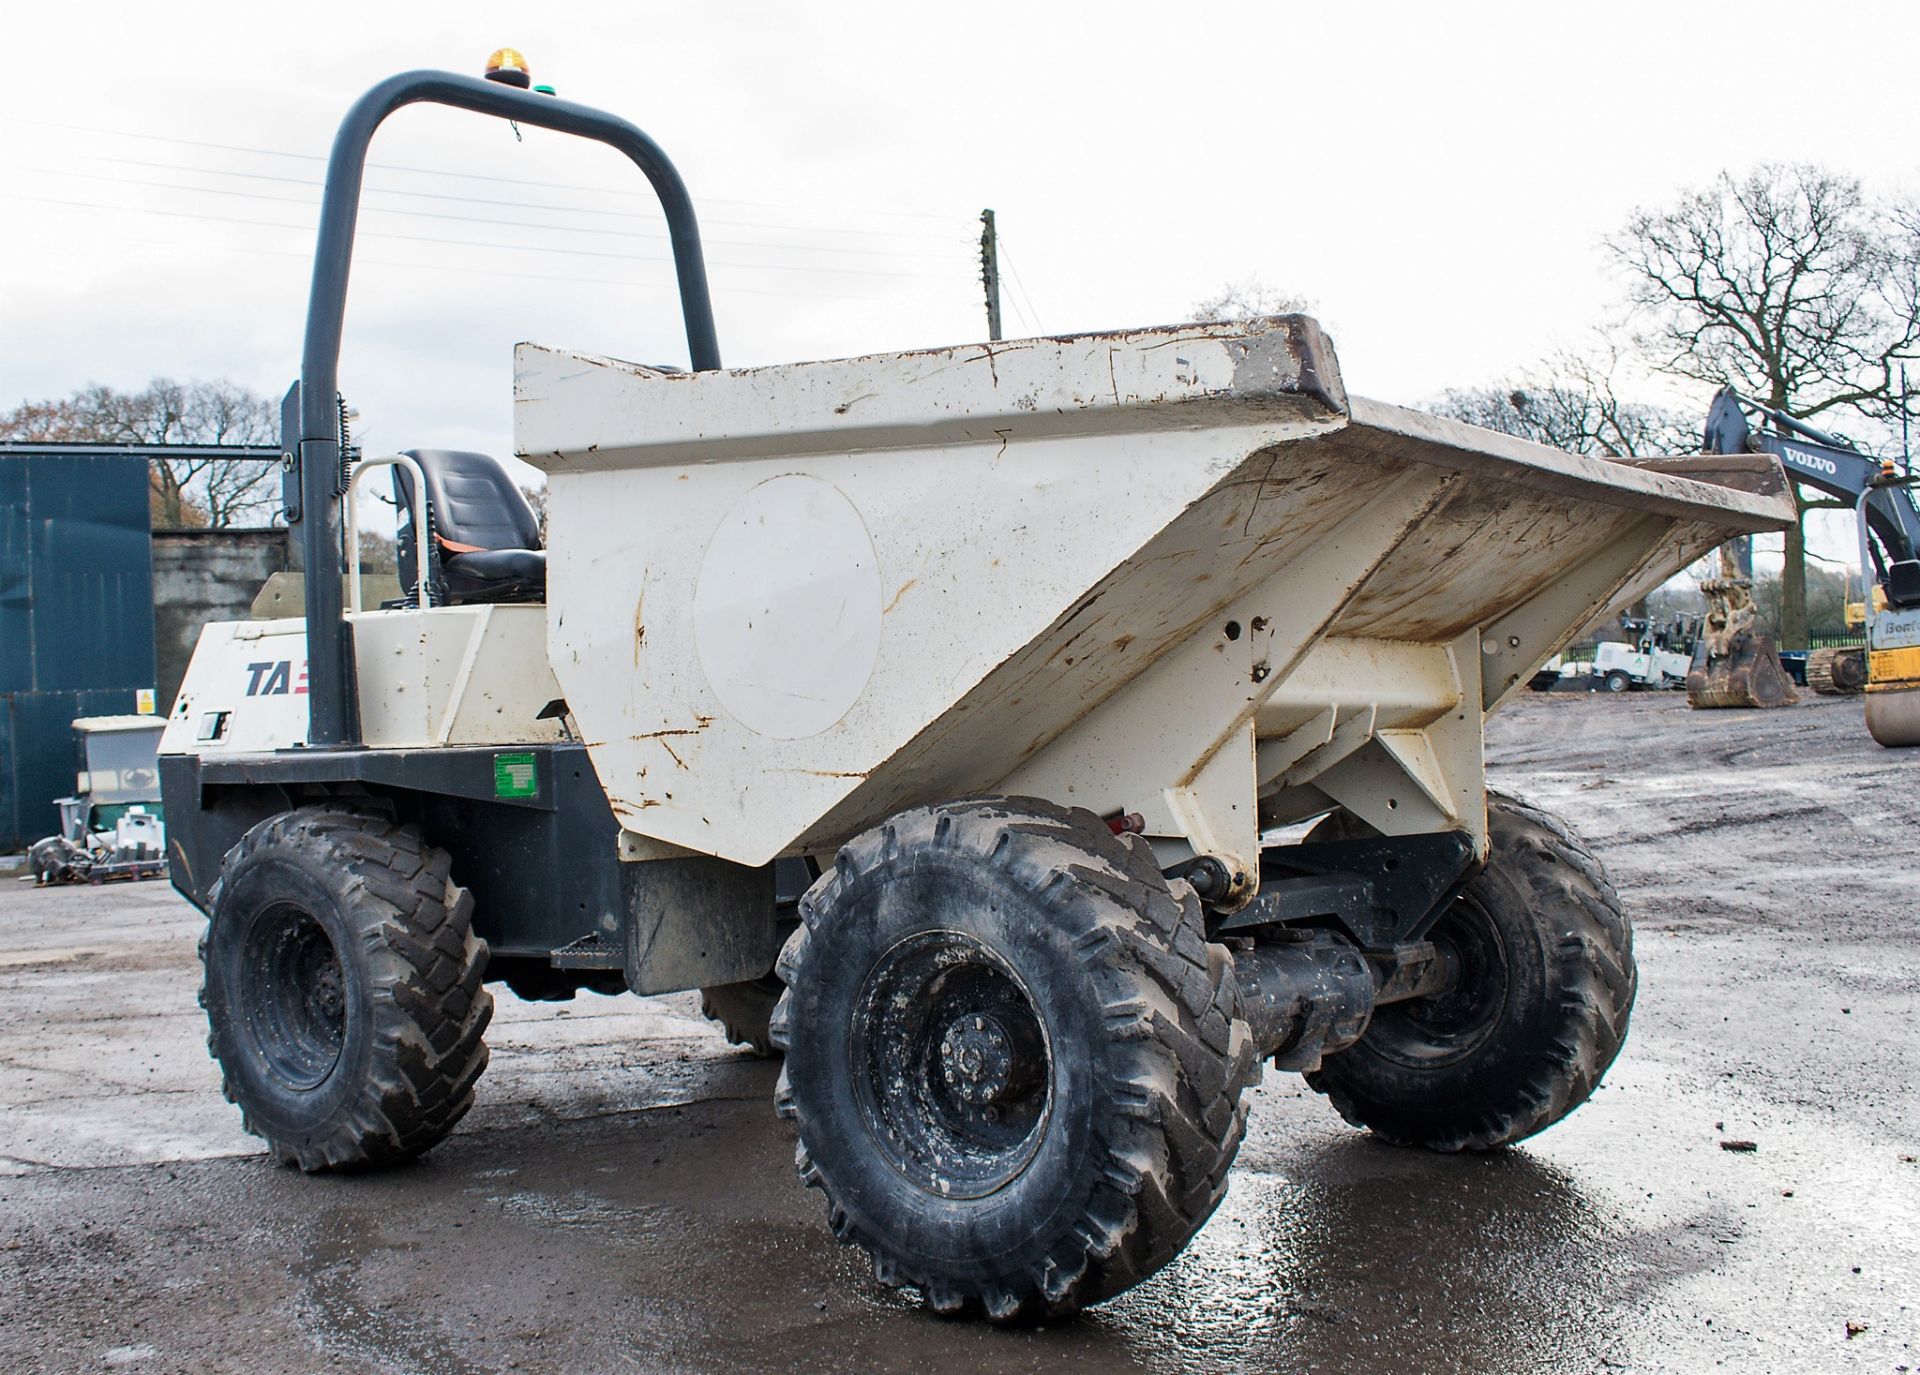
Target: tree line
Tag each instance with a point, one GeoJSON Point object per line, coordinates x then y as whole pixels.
{"type": "Point", "coordinates": [185, 493]}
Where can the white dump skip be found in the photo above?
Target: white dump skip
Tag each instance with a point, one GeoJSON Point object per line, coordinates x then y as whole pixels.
{"type": "Point", "coordinates": [1160, 571]}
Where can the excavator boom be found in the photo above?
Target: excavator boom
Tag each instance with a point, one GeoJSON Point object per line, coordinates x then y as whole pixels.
{"type": "Point", "coordinates": [1738, 666]}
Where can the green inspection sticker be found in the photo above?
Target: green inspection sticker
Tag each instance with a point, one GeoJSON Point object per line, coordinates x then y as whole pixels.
{"type": "Point", "coordinates": [514, 776]}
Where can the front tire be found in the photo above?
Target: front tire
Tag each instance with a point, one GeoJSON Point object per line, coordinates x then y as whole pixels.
{"type": "Point", "coordinates": [1617, 681]}
{"type": "Point", "coordinates": [1544, 985]}
{"type": "Point", "coordinates": [1014, 1063]}
{"type": "Point", "coordinates": [343, 989]}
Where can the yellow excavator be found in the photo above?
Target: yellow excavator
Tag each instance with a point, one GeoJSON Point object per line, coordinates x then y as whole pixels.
{"type": "Point", "coordinates": [1841, 670]}
{"type": "Point", "coordinates": [1737, 665]}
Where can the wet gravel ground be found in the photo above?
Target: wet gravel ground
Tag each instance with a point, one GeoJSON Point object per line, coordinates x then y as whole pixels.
{"type": "Point", "coordinates": [622, 1197]}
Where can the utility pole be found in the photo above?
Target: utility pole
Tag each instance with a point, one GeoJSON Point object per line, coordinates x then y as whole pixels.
{"type": "Point", "coordinates": [990, 272]}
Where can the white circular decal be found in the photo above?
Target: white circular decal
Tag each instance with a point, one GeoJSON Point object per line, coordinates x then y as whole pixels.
{"type": "Point", "coordinates": [786, 616]}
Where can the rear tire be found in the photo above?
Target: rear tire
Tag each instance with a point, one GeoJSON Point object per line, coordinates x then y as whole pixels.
{"type": "Point", "coordinates": [1619, 680]}
{"type": "Point", "coordinates": [1536, 1015]}
{"type": "Point", "coordinates": [1014, 1062]}
{"type": "Point", "coordinates": [343, 989]}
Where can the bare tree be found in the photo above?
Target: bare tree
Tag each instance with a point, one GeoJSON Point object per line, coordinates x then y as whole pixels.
{"type": "Point", "coordinates": [186, 492]}
{"type": "Point", "coordinates": [1790, 284]}
{"type": "Point", "coordinates": [537, 499]}
{"type": "Point", "coordinates": [1826, 601]}
{"type": "Point", "coordinates": [1570, 402]}
{"type": "Point", "coordinates": [1249, 299]}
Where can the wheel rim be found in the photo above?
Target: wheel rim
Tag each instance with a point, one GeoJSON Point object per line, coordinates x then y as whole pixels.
{"type": "Point", "coordinates": [294, 996]}
{"type": "Point", "coordinates": [1454, 1023]}
{"type": "Point", "coordinates": [951, 1064]}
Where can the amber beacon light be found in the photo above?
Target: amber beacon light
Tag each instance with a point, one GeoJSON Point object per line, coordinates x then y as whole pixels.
{"type": "Point", "coordinates": [508, 66]}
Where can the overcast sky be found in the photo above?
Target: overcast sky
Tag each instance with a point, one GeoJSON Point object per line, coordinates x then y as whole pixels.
{"type": "Point", "coordinates": [1437, 178]}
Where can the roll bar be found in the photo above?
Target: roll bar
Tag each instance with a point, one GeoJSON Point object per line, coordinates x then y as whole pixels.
{"type": "Point", "coordinates": [1863, 513]}
{"type": "Point", "coordinates": [312, 446]}
{"type": "Point", "coordinates": [423, 564]}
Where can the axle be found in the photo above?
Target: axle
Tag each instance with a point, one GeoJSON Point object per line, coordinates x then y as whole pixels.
{"type": "Point", "coordinates": [1312, 993]}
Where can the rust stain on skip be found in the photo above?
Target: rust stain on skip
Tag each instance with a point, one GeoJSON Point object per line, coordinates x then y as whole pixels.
{"type": "Point", "coordinates": [898, 595]}
{"type": "Point", "coordinates": [700, 724]}
{"type": "Point", "coordinates": [621, 804]}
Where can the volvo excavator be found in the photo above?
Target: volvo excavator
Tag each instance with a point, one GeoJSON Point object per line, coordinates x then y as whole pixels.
{"type": "Point", "coordinates": [1737, 665]}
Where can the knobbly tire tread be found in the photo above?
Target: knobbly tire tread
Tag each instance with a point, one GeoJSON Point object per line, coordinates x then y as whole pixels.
{"type": "Point", "coordinates": [427, 1005]}
{"type": "Point", "coordinates": [1579, 1027]}
{"type": "Point", "coordinates": [1161, 1161]}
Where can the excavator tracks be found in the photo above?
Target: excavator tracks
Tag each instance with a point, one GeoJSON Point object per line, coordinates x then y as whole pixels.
{"type": "Point", "coordinates": [1837, 672]}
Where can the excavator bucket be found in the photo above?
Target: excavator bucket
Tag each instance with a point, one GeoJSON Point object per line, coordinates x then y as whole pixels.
{"type": "Point", "coordinates": [1736, 663]}
{"type": "Point", "coordinates": [1747, 675]}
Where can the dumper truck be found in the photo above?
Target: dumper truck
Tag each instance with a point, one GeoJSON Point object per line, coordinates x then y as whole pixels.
{"type": "Point", "coordinates": [1032, 742]}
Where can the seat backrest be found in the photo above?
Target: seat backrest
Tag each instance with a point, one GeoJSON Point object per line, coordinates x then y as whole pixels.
{"type": "Point", "coordinates": [1903, 583]}
{"type": "Point", "coordinates": [475, 505]}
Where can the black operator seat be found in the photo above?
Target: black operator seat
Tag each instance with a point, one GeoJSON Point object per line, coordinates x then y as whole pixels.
{"type": "Point", "coordinates": [1903, 583]}
{"type": "Point", "coordinates": [486, 537]}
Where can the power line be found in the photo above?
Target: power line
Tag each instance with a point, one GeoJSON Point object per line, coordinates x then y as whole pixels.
{"type": "Point", "coordinates": [1026, 326]}
{"type": "Point", "coordinates": [1021, 286]}
{"type": "Point", "coordinates": [461, 243]}
{"type": "Point", "coordinates": [495, 201]}
{"type": "Point", "coordinates": [438, 172]}
{"type": "Point", "coordinates": [492, 272]}
{"type": "Point", "coordinates": [476, 219]}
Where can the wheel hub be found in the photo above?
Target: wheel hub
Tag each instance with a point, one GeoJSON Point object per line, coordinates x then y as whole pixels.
{"type": "Point", "coordinates": [296, 1000]}
{"type": "Point", "coordinates": [1451, 1024]}
{"type": "Point", "coordinates": [976, 1056]}
{"type": "Point", "coordinates": [329, 999]}
{"type": "Point", "coordinates": [952, 1064]}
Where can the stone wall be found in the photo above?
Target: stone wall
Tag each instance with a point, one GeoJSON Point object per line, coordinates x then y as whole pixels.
{"type": "Point", "coordinates": [201, 576]}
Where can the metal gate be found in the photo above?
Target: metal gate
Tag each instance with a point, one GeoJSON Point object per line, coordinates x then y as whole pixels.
{"type": "Point", "coordinates": [76, 617]}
